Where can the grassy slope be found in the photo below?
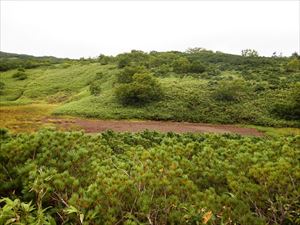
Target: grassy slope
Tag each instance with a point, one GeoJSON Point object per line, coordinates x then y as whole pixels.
{"type": "Point", "coordinates": [49, 84]}
{"type": "Point", "coordinates": [106, 106]}
{"type": "Point", "coordinates": [185, 99]}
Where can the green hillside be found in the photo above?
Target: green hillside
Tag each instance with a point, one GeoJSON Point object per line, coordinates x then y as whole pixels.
{"type": "Point", "coordinates": [52, 177]}
{"type": "Point", "coordinates": [196, 86]}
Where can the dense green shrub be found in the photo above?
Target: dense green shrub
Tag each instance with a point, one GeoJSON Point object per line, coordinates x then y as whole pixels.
{"type": "Point", "coordinates": [125, 76]}
{"type": "Point", "coordinates": [2, 86]}
{"type": "Point", "coordinates": [135, 57]}
{"type": "Point", "coordinates": [95, 87]}
{"type": "Point", "coordinates": [104, 60]}
{"type": "Point", "coordinates": [149, 178]}
{"type": "Point", "coordinates": [124, 61]}
{"type": "Point", "coordinates": [182, 65]}
{"type": "Point", "coordinates": [143, 88]}
{"type": "Point", "coordinates": [95, 83]}
{"type": "Point", "coordinates": [231, 90]}
{"type": "Point", "coordinates": [197, 67]}
{"type": "Point", "coordinates": [162, 70]}
{"type": "Point", "coordinates": [17, 212]}
{"type": "Point", "coordinates": [293, 65]}
{"type": "Point", "coordinates": [157, 59]}
{"type": "Point", "coordinates": [19, 75]}
{"type": "Point", "coordinates": [288, 107]}
{"type": "Point", "coordinates": [21, 69]}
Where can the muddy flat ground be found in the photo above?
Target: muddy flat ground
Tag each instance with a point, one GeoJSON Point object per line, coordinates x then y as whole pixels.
{"type": "Point", "coordinates": [95, 126]}
{"type": "Point", "coordinates": [31, 118]}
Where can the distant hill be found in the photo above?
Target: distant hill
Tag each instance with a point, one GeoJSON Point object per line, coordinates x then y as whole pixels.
{"type": "Point", "coordinates": [25, 56]}
{"type": "Point", "coordinates": [12, 60]}
{"type": "Point", "coordinates": [196, 86]}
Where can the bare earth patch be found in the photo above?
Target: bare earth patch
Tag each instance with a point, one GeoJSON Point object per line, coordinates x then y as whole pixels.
{"type": "Point", "coordinates": [95, 126]}
{"type": "Point", "coordinates": [30, 118]}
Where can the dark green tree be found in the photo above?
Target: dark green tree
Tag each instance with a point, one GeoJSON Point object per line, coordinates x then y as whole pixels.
{"type": "Point", "coordinates": [125, 76]}
{"type": "Point", "coordinates": [249, 53]}
{"type": "Point", "coordinates": [197, 67]}
{"type": "Point", "coordinates": [182, 65]}
{"type": "Point", "coordinates": [143, 89]}
{"type": "Point", "coordinates": [103, 59]}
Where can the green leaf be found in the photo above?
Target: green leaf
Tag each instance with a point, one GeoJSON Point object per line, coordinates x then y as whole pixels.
{"type": "Point", "coordinates": [71, 209]}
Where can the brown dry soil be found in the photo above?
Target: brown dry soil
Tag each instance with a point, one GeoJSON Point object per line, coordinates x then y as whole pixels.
{"type": "Point", "coordinates": [94, 126]}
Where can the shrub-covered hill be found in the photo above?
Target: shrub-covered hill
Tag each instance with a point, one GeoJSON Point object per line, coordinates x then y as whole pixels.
{"type": "Point", "coordinates": [10, 61]}
{"type": "Point", "coordinates": [148, 178]}
{"type": "Point", "coordinates": [196, 86]}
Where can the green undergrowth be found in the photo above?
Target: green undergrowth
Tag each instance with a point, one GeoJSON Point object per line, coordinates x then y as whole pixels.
{"type": "Point", "coordinates": [271, 131]}
{"type": "Point", "coordinates": [148, 178]}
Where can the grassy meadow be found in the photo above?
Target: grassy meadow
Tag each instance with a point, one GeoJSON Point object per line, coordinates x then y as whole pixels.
{"type": "Point", "coordinates": [195, 86]}
{"type": "Point", "coordinates": [53, 177]}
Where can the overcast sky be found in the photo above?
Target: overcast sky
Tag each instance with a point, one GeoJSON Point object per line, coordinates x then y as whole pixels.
{"type": "Point", "coordinates": [87, 28]}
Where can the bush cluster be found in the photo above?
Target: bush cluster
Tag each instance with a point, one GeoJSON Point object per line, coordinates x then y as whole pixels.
{"type": "Point", "coordinates": [149, 178]}
{"type": "Point", "coordinates": [19, 75]}
{"type": "Point", "coordinates": [231, 90]}
{"type": "Point", "coordinates": [137, 87]}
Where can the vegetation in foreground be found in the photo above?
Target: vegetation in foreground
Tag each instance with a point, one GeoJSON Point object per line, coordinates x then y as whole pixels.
{"type": "Point", "coordinates": [53, 177]}
{"type": "Point", "coordinates": [196, 86]}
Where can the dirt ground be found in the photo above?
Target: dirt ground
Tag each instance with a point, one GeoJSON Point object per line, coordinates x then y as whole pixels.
{"type": "Point", "coordinates": [94, 126]}
{"type": "Point", "coordinates": [33, 117]}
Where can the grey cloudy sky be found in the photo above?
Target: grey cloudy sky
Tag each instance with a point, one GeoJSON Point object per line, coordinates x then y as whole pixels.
{"type": "Point", "coordinates": [87, 28]}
